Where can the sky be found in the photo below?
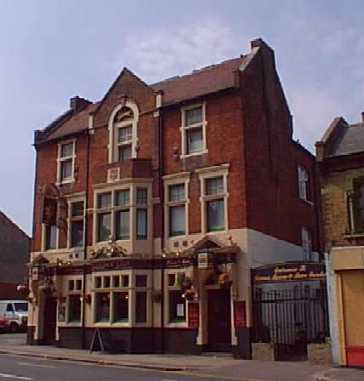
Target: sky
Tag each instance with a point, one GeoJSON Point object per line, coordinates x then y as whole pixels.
{"type": "Point", "coordinates": [52, 50]}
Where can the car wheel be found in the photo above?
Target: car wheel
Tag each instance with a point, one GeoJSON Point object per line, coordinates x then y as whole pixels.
{"type": "Point", "coordinates": [13, 327]}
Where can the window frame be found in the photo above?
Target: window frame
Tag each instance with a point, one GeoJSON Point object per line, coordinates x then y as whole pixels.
{"type": "Point", "coordinates": [44, 238]}
{"type": "Point", "coordinates": [113, 155]}
{"type": "Point", "coordinates": [173, 288]}
{"type": "Point", "coordinates": [75, 219]}
{"type": "Point", "coordinates": [303, 184]}
{"type": "Point", "coordinates": [169, 181]}
{"type": "Point", "coordinates": [61, 159]}
{"type": "Point", "coordinates": [132, 206]}
{"type": "Point", "coordinates": [306, 242]}
{"type": "Point", "coordinates": [206, 174]}
{"type": "Point", "coordinates": [185, 128]}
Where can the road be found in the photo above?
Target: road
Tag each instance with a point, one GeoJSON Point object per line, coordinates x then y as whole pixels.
{"type": "Point", "coordinates": [14, 368]}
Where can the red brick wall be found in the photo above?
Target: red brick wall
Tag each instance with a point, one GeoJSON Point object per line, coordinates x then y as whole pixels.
{"type": "Point", "coordinates": [248, 128]}
{"type": "Point", "coordinates": [273, 205]}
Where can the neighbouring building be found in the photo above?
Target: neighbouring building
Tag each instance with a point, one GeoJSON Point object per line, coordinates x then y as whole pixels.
{"type": "Point", "coordinates": [340, 157]}
{"type": "Point", "coordinates": [14, 256]}
{"type": "Point", "coordinates": [153, 205]}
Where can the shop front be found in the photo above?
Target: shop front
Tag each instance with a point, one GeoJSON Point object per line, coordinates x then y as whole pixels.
{"type": "Point", "coordinates": [176, 303]}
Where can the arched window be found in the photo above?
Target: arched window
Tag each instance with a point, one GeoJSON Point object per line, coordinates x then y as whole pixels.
{"type": "Point", "coordinates": [123, 132]}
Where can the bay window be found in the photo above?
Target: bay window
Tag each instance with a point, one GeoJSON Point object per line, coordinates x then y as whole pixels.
{"type": "Point", "coordinates": [119, 213]}
{"type": "Point", "coordinates": [142, 213]}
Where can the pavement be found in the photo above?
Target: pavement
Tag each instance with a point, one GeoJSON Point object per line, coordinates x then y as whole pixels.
{"type": "Point", "coordinates": [208, 366]}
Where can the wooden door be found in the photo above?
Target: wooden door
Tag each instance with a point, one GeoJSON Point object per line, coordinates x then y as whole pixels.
{"type": "Point", "coordinates": [219, 320]}
{"type": "Point", "coordinates": [50, 320]}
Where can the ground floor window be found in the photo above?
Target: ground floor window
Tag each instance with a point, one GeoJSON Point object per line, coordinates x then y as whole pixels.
{"type": "Point", "coordinates": [177, 306]}
{"type": "Point", "coordinates": [74, 308]}
{"type": "Point", "coordinates": [141, 307]}
{"type": "Point", "coordinates": [102, 303]}
{"type": "Point", "coordinates": [121, 306]}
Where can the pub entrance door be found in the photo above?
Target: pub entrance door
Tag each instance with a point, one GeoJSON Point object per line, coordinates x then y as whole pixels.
{"type": "Point", "coordinates": [50, 320]}
{"type": "Point", "coordinates": [219, 320]}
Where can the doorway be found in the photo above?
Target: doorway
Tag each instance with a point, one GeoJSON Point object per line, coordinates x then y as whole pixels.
{"type": "Point", "coordinates": [50, 320]}
{"type": "Point", "coordinates": [219, 320]}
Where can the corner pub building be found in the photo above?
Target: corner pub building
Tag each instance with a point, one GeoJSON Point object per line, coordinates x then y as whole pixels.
{"type": "Point", "coordinates": [153, 205]}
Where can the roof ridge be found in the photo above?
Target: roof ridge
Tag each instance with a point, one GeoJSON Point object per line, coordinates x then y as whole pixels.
{"type": "Point", "coordinates": [197, 71]}
{"type": "Point", "coordinates": [14, 224]}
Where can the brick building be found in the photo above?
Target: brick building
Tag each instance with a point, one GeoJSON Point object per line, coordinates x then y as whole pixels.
{"type": "Point", "coordinates": [14, 255]}
{"type": "Point", "coordinates": [340, 156]}
{"type": "Point", "coordinates": [178, 188]}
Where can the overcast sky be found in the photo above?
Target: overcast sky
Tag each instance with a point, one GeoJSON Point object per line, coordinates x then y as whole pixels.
{"type": "Point", "coordinates": [52, 50]}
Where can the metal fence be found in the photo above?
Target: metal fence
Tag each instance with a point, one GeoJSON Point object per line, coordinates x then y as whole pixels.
{"type": "Point", "coordinates": [291, 318]}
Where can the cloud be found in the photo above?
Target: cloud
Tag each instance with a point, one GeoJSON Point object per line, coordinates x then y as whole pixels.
{"type": "Point", "coordinates": [165, 52]}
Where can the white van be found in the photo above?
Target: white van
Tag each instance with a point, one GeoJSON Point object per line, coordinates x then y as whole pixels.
{"type": "Point", "coordinates": [15, 314]}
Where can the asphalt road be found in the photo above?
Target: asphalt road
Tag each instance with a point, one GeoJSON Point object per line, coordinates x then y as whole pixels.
{"type": "Point", "coordinates": [14, 368]}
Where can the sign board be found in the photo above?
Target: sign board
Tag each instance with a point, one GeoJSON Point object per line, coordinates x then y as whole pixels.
{"type": "Point", "coordinates": [203, 261]}
{"type": "Point", "coordinates": [288, 272]}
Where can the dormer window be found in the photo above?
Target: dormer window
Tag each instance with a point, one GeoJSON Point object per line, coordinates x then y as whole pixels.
{"type": "Point", "coordinates": [123, 132]}
{"type": "Point", "coordinates": [66, 162]}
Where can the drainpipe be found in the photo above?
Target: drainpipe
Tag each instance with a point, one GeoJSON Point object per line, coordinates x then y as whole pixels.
{"type": "Point", "coordinates": [85, 234]}
{"type": "Point", "coordinates": [161, 192]}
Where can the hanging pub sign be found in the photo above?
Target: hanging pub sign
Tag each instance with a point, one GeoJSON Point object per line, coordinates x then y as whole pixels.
{"type": "Point", "coordinates": [203, 260]}
{"type": "Point", "coordinates": [288, 272]}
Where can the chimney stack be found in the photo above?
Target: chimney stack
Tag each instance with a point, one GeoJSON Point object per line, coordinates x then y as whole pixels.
{"type": "Point", "coordinates": [78, 104]}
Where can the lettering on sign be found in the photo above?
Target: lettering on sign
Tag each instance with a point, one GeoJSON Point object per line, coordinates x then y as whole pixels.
{"type": "Point", "coordinates": [289, 272]}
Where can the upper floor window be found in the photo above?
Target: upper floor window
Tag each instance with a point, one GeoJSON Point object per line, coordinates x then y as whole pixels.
{"type": "Point", "coordinates": [194, 130]}
{"type": "Point", "coordinates": [76, 224]}
{"type": "Point", "coordinates": [356, 206]}
{"type": "Point", "coordinates": [123, 132]}
{"type": "Point", "coordinates": [50, 239]}
{"type": "Point", "coordinates": [303, 184]}
{"type": "Point", "coordinates": [177, 209]}
{"type": "Point", "coordinates": [214, 196]}
{"type": "Point", "coordinates": [142, 213]}
{"type": "Point", "coordinates": [66, 162]}
{"type": "Point", "coordinates": [113, 215]}
{"type": "Point", "coordinates": [122, 213]}
{"type": "Point", "coordinates": [306, 244]}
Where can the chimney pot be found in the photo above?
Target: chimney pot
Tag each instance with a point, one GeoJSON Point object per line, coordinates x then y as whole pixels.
{"type": "Point", "coordinates": [362, 116]}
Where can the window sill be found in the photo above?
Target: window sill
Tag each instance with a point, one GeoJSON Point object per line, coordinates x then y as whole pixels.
{"type": "Point", "coordinates": [354, 235]}
{"type": "Point", "coordinates": [64, 182]}
{"type": "Point", "coordinates": [186, 156]}
{"type": "Point", "coordinates": [308, 202]}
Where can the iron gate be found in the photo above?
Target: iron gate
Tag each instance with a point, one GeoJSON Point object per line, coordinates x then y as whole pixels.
{"type": "Point", "coordinates": [290, 319]}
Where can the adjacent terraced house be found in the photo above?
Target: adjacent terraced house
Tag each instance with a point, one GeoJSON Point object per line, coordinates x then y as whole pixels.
{"type": "Point", "coordinates": [153, 205]}
{"type": "Point", "coordinates": [14, 256]}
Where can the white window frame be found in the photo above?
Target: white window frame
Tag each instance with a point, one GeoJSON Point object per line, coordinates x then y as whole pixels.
{"type": "Point", "coordinates": [132, 186]}
{"type": "Point", "coordinates": [306, 238]}
{"type": "Point", "coordinates": [168, 288]}
{"type": "Point", "coordinates": [209, 173]}
{"type": "Point", "coordinates": [303, 183]}
{"type": "Point", "coordinates": [73, 293]}
{"type": "Point", "coordinates": [185, 128]}
{"type": "Point", "coordinates": [70, 219]}
{"type": "Point", "coordinates": [114, 126]}
{"type": "Point", "coordinates": [44, 237]}
{"type": "Point", "coordinates": [170, 180]}
{"type": "Point", "coordinates": [61, 159]}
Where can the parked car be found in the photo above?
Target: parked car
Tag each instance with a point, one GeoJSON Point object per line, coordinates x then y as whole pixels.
{"type": "Point", "coordinates": [14, 315]}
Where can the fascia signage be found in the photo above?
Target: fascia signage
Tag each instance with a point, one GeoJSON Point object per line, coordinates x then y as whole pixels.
{"type": "Point", "coordinates": [289, 272]}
